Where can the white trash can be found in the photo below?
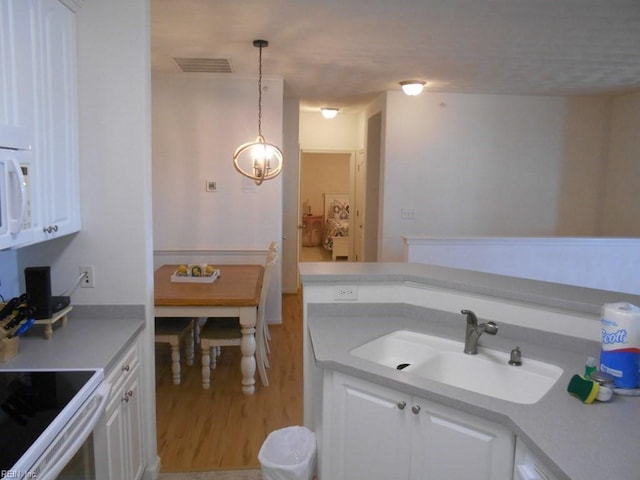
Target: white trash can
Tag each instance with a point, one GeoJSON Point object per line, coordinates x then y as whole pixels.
{"type": "Point", "coordinates": [288, 454]}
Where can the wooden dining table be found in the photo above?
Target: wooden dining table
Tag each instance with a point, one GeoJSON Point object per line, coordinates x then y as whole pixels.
{"type": "Point", "coordinates": [235, 293]}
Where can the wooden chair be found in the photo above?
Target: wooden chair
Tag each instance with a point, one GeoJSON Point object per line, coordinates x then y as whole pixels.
{"type": "Point", "coordinates": [217, 333]}
{"type": "Point", "coordinates": [174, 331]}
{"type": "Point", "coordinates": [271, 254]}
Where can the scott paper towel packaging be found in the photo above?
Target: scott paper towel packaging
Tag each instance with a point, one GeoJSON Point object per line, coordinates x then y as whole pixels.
{"type": "Point", "coordinates": [620, 355]}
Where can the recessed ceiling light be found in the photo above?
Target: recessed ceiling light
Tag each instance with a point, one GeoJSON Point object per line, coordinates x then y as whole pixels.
{"type": "Point", "coordinates": [329, 112]}
{"type": "Point", "coordinates": [412, 87]}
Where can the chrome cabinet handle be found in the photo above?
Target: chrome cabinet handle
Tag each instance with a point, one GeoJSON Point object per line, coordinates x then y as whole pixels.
{"type": "Point", "coordinates": [127, 396]}
{"type": "Point", "coordinates": [402, 404]}
{"type": "Point", "coordinates": [415, 409]}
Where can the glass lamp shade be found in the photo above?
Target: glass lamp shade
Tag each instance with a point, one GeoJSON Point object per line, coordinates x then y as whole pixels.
{"type": "Point", "coordinates": [258, 160]}
{"type": "Point", "coordinates": [329, 112]}
{"type": "Point", "coordinates": [412, 87]}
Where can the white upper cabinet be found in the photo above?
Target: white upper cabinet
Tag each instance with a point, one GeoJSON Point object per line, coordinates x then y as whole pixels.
{"type": "Point", "coordinates": [38, 118]}
{"type": "Point", "coordinates": [58, 142]}
{"type": "Point", "coordinates": [17, 77]}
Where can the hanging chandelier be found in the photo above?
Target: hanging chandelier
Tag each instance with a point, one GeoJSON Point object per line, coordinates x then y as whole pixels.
{"type": "Point", "coordinates": [258, 160]}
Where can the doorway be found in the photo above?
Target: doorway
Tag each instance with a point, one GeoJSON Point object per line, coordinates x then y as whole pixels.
{"type": "Point", "coordinates": [321, 172]}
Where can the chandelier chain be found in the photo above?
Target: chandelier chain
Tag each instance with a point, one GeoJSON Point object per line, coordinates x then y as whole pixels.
{"type": "Point", "coordinates": [260, 92]}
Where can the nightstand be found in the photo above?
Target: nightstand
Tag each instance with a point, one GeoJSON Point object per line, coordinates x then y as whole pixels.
{"type": "Point", "coordinates": [312, 236]}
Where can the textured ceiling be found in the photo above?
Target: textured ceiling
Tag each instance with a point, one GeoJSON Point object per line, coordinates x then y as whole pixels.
{"type": "Point", "coordinates": [344, 52]}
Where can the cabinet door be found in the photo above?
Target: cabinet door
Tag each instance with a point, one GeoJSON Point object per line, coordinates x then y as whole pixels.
{"type": "Point", "coordinates": [109, 441]}
{"type": "Point", "coordinates": [18, 51]}
{"type": "Point", "coordinates": [58, 140]}
{"type": "Point", "coordinates": [132, 412]}
{"type": "Point", "coordinates": [450, 444]}
{"type": "Point", "coordinates": [118, 441]}
{"type": "Point", "coordinates": [368, 435]}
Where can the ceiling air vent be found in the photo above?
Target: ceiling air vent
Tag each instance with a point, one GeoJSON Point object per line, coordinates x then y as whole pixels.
{"type": "Point", "coordinates": [204, 65]}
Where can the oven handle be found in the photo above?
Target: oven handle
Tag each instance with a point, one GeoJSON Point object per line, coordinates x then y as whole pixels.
{"type": "Point", "coordinates": [64, 455]}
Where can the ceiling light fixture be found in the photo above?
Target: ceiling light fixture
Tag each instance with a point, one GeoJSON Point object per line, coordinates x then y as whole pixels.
{"type": "Point", "coordinates": [329, 112]}
{"type": "Point", "coordinates": [412, 87]}
{"type": "Point", "coordinates": [261, 160]}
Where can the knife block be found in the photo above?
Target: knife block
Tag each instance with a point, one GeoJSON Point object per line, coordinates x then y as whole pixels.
{"type": "Point", "coordinates": [8, 348]}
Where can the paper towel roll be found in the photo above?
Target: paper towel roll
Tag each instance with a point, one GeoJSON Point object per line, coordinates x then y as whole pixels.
{"type": "Point", "coordinates": [620, 354]}
{"type": "Point", "coordinates": [620, 326]}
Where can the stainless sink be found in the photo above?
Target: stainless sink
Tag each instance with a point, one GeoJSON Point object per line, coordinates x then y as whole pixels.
{"type": "Point", "coordinates": [442, 360]}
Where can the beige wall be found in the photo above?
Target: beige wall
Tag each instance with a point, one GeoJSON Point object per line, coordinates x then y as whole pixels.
{"type": "Point", "coordinates": [621, 204]}
{"type": "Point", "coordinates": [322, 173]}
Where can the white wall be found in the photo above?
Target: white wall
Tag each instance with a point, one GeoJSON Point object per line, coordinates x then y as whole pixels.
{"type": "Point", "coordinates": [198, 122]}
{"type": "Point", "coordinates": [601, 263]}
{"type": "Point", "coordinates": [485, 164]}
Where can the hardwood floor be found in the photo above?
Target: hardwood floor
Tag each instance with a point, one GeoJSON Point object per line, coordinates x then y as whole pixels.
{"type": "Point", "coordinates": [220, 428]}
{"type": "Point", "coordinates": [314, 254]}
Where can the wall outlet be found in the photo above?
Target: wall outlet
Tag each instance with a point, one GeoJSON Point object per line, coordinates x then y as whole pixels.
{"type": "Point", "coordinates": [407, 214]}
{"type": "Point", "coordinates": [211, 186]}
{"type": "Point", "coordinates": [88, 280]}
{"type": "Point", "coordinates": [345, 292]}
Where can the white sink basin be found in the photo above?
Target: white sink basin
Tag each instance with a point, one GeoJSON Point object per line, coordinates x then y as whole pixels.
{"type": "Point", "coordinates": [443, 360]}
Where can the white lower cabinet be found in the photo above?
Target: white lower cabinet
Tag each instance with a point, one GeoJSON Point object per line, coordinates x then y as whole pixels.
{"type": "Point", "coordinates": [528, 467]}
{"type": "Point", "coordinates": [376, 433]}
{"type": "Point", "coordinates": [118, 441]}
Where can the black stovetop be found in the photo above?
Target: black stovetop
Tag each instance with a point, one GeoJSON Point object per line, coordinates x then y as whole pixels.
{"type": "Point", "coordinates": [29, 402]}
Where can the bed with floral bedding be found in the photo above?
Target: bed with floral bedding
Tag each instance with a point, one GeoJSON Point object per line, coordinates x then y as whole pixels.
{"type": "Point", "coordinates": [336, 230]}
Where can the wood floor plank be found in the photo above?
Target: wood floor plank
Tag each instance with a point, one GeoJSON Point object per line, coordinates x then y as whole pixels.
{"type": "Point", "coordinates": [220, 428]}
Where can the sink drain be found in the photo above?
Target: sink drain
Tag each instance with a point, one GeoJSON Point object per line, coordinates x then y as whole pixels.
{"type": "Point", "coordinates": [402, 366]}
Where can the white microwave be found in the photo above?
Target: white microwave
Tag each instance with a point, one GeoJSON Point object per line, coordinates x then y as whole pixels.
{"type": "Point", "coordinates": [15, 196]}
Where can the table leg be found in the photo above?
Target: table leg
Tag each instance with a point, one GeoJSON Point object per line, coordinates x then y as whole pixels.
{"type": "Point", "coordinates": [248, 348]}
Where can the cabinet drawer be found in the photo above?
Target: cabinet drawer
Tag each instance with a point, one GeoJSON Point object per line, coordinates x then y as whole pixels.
{"type": "Point", "coordinates": [123, 369]}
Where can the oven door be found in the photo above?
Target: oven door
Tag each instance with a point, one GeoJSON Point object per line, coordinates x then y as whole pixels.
{"type": "Point", "coordinates": [71, 454]}
{"type": "Point", "coordinates": [46, 422]}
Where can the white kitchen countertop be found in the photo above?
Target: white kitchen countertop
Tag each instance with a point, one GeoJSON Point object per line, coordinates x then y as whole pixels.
{"type": "Point", "coordinates": [576, 441]}
{"type": "Point", "coordinates": [91, 339]}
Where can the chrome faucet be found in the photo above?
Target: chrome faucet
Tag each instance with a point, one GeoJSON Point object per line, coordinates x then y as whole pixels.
{"type": "Point", "coordinates": [474, 331]}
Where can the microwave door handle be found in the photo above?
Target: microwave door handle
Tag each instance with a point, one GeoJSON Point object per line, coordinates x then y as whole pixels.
{"type": "Point", "coordinates": [64, 455]}
{"type": "Point", "coordinates": [15, 224]}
